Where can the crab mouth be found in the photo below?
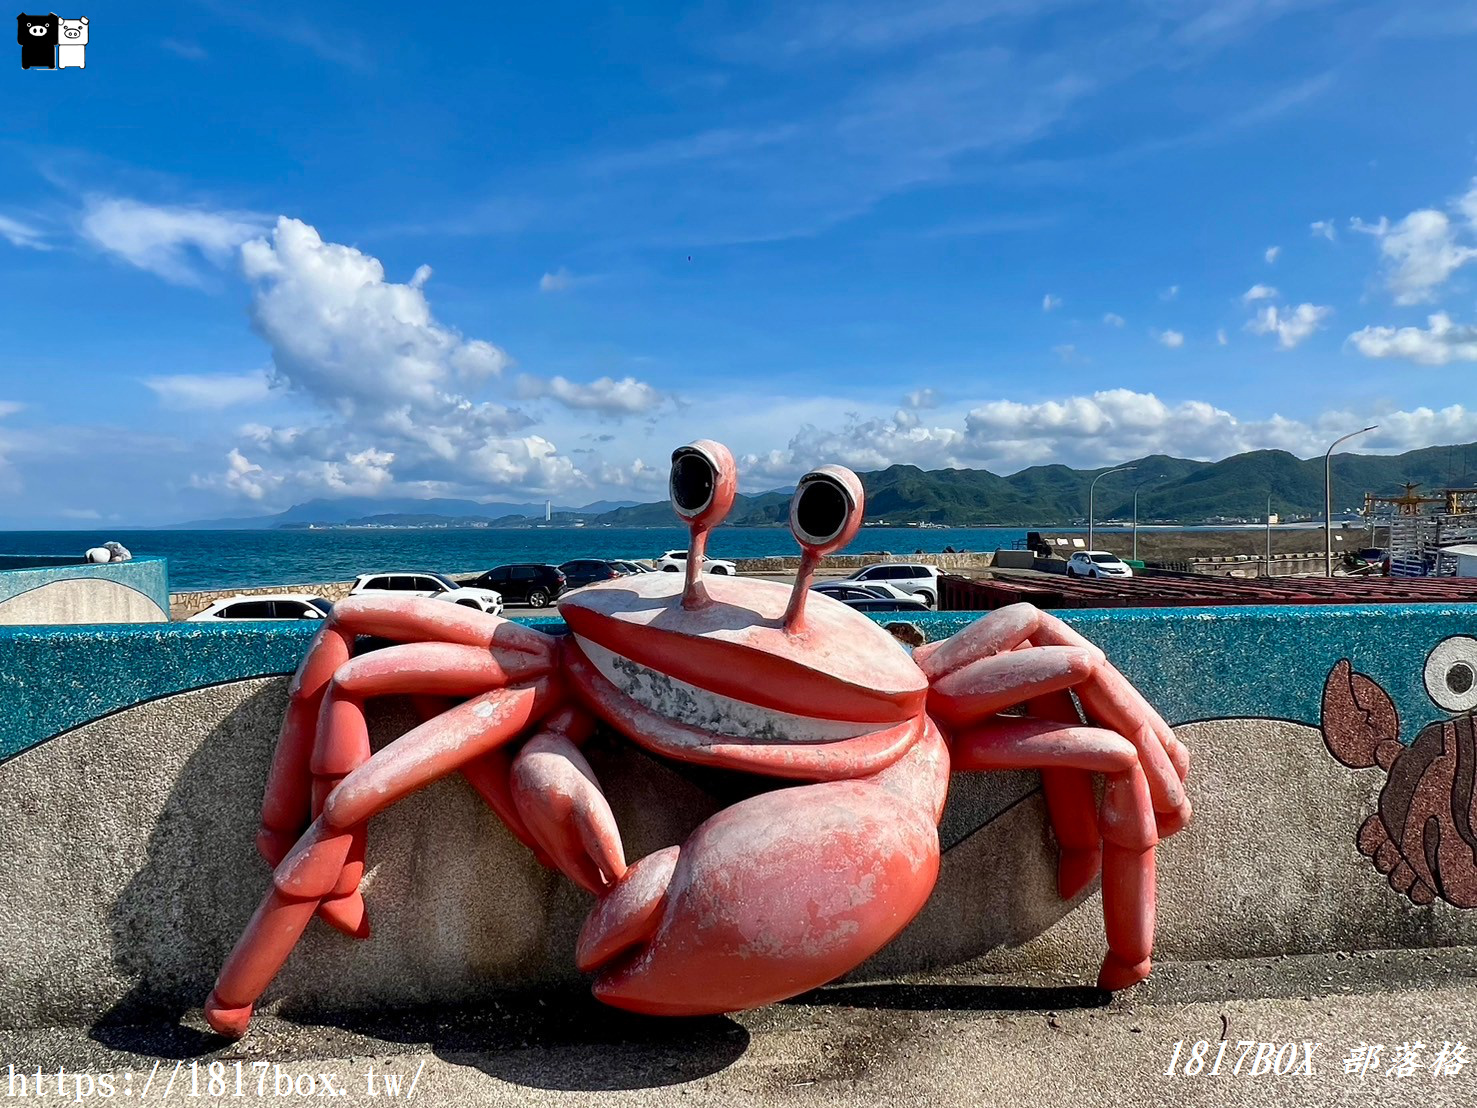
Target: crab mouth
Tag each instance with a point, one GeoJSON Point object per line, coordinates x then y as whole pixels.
{"type": "Point", "coordinates": [686, 703]}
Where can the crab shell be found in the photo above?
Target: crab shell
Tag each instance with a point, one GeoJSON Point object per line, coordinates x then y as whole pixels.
{"type": "Point", "coordinates": [728, 684]}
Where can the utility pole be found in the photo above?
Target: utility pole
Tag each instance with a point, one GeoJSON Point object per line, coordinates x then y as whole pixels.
{"type": "Point", "coordinates": [1328, 498]}
{"type": "Point", "coordinates": [1093, 488]}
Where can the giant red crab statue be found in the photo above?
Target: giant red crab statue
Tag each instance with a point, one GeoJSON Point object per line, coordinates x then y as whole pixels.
{"type": "Point", "coordinates": [780, 892]}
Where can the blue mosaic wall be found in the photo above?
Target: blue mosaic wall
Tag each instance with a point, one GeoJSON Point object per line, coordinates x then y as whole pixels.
{"type": "Point", "coordinates": [147, 574]}
{"type": "Point", "coordinates": [1192, 663]}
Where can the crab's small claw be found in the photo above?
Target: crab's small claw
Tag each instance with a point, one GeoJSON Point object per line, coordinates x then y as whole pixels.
{"type": "Point", "coordinates": [1361, 727]}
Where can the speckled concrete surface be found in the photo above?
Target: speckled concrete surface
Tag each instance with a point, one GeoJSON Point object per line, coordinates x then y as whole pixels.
{"type": "Point", "coordinates": [954, 1040]}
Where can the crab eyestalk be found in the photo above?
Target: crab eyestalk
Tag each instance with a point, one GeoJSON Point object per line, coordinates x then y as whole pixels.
{"type": "Point", "coordinates": [703, 482]}
{"type": "Point", "coordinates": [825, 514]}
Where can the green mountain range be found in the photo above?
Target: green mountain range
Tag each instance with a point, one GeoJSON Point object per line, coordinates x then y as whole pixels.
{"type": "Point", "coordinates": [1170, 490]}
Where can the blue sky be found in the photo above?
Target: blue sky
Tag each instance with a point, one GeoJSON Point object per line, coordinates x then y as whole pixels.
{"type": "Point", "coordinates": [250, 256]}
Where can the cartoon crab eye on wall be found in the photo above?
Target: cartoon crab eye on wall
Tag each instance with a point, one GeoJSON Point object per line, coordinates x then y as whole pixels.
{"type": "Point", "coordinates": [1451, 674]}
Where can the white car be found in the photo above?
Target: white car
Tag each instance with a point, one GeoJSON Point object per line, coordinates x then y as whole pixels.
{"type": "Point", "coordinates": [885, 590]}
{"type": "Point", "coordinates": [433, 585]}
{"type": "Point", "coordinates": [275, 606]}
{"type": "Point", "coordinates": [1097, 563]}
{"type": "Point", "coordinates": [675, 561]}
{"type": "Point", "coordinates": [915, 578]}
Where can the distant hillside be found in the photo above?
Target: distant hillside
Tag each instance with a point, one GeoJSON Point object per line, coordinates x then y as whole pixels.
{"type": "Point", "coordinates": [1170, 490]}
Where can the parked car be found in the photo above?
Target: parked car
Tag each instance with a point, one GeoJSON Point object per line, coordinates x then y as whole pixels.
{"type": "Point", "coordinates": [432, 585]}
{"type": "Point", "coordinates": [885, 589]}
{"type": "Point", "coordinates": [871, 598]}
{"type": "Point", "coordinates": [914, 578]}
{"type": "Point", "coordinates": [675, 561]}
{"type": "Point", "coordinates": [632, 567]}
{"type": "Point", "coordinates": [279, 606]}
{"type": "Point", "coordinates": [1097, 563]}
{"type": "Point", "coordinates": [536, 584]}
{"type": "Point", "coordinates": [586, 571]}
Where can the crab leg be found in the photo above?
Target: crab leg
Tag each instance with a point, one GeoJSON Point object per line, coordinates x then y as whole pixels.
{"type": "Point", "coordinates": [312, 869]}
{"type": "Point", "coordinates": [1127, 821]}
{"type": "Point", "coordinates": [956, 665]}
{"type": "Point", "coordinates": [433, 668]}
{"type": "Point", "coordinates": [287, 806]}
{"type": "Point", "coordinates": [1072, 805]}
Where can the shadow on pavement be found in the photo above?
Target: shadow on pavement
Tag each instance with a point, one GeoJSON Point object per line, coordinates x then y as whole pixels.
{"type": "Point", "coordinates": [564, 1040]}
{"type": "Point", "coordinates": [959, 998]}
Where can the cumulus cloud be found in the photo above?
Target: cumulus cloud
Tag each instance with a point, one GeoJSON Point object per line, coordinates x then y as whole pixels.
{"type": "Point", "coordinates": [187, 391]}
{"type": "Point", "coordinates": [1172, 339]}
{"type": "Point", "coordinates": [1440, 343]}
{"type": "Point", "coordinates": [1170, 293]}
{"type": "Point", "coordinates": [1323, 229]}
{"type": "Point", "coordinates": [21, 234]}
{"type": "Point", "coordinates": [1050, 303]}
{"type": "Point", "coordinates": [561, 280]}
{"type": "Point", "coordinates": [166, 241]}
{"type": "Point", "coordinates": [1291, 325]}
{"type": "Point", "coordinates": [1271, 254]}
{"type": "Point", "coordinates": [1113, 319]}
{"type": "Point", "coordinates": [1221, 338]}
{"type": "Point", "coordinates": [1419, 252]}
{"type": "Point", "coordinates": [1258, 292]}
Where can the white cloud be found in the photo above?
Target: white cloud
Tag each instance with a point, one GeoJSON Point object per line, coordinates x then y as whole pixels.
{"type": "Point", "coordinates": [607, 396]}
{"type": "Point", "coordinates": [1170, 293]}
{"type": "Point", "coordinates": [166, 241]}
{"type": "Point", "coordinates": [1050, 303]}
{"type": "Point", "coordinates": [1113, 319]}
{"type": "Point", "coordinates": [1172, 339]}
{"type": "Point", "coordinates": [1420, 252]}
{"type": "Point", "coordinates": [921, 398]}
{"type": "Point", "coordinates": [1271, 254]}
{"type": "Point", "coordinates": [1066, 351]}
{"type": "Point", "coordinates": [1258, 292]}
{"type": "Point", "coordinates": [1323, 229]}
{"type": "Point", "coordinates": [209, 391]}
{"type": "Point", "coordinates": [1291, 325]}
{"type": "Point", "coordinates": [1442, 343]}
{"type": "Point", "coordinates": [21, 234]}
{"type": "Point", "coordinates": [1221, 338]}
{"type": "Point", "coordinates": [561, 280]}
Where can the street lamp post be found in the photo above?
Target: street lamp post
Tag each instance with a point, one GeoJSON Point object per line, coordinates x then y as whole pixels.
{"type": "Point", "coordinates": [1157, 477]}
{"type": "Point", "coordinates": [1328, 498]}
{"type": "Point", "coordinates": [1093, 488]}
{"type": "Point", "coordinates": [1269, 534]}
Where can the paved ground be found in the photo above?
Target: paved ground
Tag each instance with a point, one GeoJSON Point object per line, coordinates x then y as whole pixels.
{"type": "Point", "coordinates": [947, 1040]}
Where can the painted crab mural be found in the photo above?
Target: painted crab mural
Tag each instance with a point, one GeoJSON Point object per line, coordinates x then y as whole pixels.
{"type": "Point", "coordinates": [1422, 834]}
{"type": "Point", "coordinates": [780, 892]}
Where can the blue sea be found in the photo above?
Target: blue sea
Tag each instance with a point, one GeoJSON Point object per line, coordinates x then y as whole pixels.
{"type": "Point", "coordinates": [240, 559]}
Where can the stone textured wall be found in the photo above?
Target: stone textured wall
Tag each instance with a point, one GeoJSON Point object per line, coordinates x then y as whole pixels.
{"type": "Point", "coordinates": [183, 605]}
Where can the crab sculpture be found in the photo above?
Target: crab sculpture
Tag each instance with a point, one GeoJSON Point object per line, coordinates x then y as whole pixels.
{"type": "Point", "coordinates": [780, 892]}
{"type": "Point", "coordinates": [1421, 835]}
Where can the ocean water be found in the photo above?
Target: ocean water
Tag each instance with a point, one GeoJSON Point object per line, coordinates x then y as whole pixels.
{"type": "Point", "coordinates": [242, 559]}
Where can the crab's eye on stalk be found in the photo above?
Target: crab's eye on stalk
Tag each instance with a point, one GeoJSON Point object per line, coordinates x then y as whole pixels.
{"type": "Point", "coordinates": [1451, 674]}
{"type": "Point", "coordinates": [825, 514]}
{"type": "Point", "coordinates": [703, 482]}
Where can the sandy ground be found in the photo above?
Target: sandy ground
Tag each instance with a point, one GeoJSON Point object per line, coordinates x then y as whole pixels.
{"type": "Point", "coordinates": [935, 1041]}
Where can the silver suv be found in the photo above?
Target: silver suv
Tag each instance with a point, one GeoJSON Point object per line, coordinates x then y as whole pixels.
{"type": "Point", "coordinates": [916, 578]}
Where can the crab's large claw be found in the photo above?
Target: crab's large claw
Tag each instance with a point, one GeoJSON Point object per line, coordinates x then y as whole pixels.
{"type": "Point", "coordinates": [1361, 727]}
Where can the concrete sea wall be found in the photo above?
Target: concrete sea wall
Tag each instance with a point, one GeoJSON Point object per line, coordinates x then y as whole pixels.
{"type": "Point", "coordinates": [135, 758]}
